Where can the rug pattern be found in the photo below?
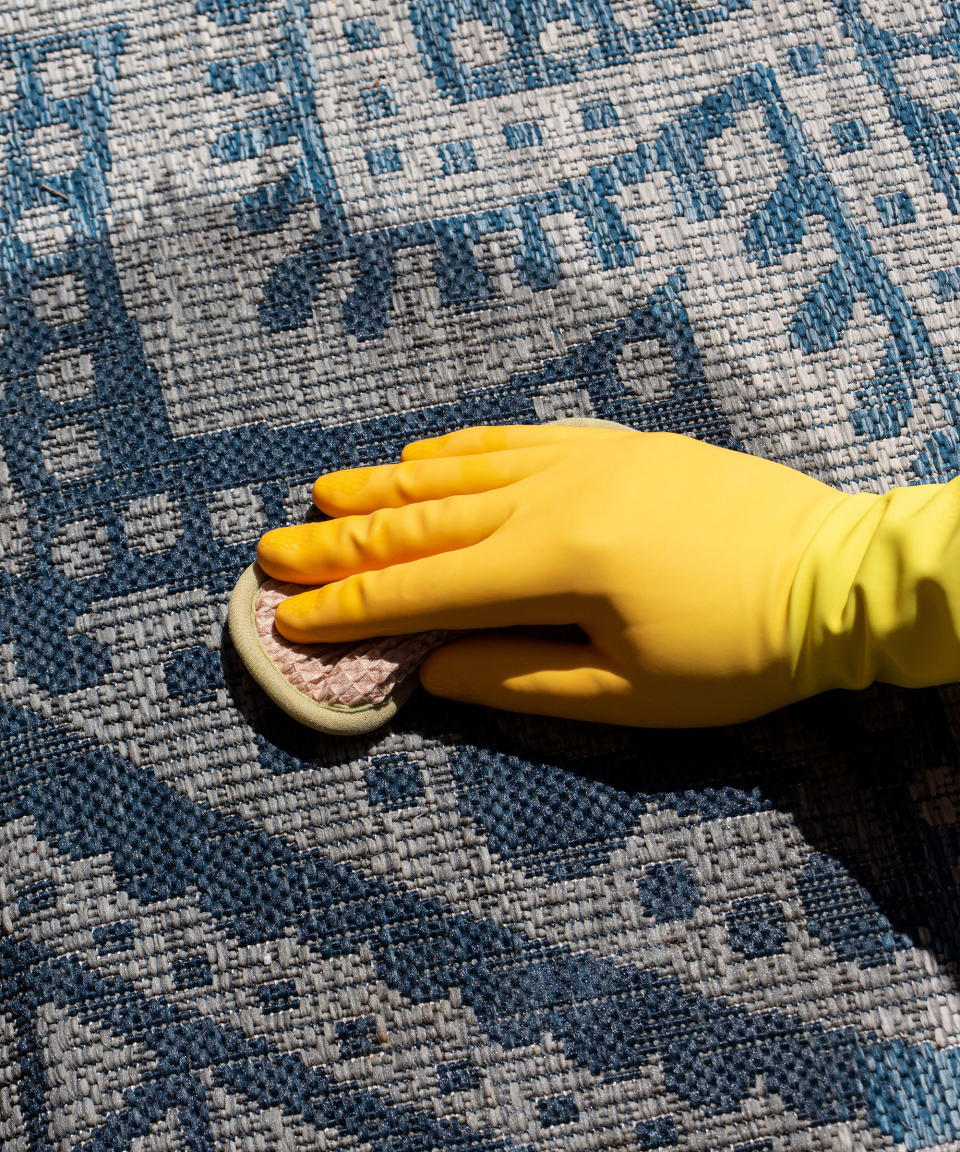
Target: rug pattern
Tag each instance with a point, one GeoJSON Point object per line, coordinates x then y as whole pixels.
{"type": "Point", "coordinates": [244, 242]}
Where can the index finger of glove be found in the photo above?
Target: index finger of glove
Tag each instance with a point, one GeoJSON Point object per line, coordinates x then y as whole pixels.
{"type": "Point", "coordinates": [333, 549]}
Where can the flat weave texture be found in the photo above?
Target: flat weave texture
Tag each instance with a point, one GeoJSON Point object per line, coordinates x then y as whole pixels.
{"type": "Point", "coordinates": [246, 242]}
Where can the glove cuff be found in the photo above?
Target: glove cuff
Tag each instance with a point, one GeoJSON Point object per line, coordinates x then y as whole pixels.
{"type": "Point", "coordinates": [876, 595]}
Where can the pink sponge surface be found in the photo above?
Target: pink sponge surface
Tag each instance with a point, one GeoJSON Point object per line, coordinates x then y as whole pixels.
{"type": "Point", "coordinates": [352, 673]}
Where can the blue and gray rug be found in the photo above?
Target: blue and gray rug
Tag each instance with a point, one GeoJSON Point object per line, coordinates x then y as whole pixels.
{"type": "Point", "coordinates": [244, 242]}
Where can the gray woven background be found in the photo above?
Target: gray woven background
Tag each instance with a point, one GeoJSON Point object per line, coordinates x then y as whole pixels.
{"type": "Point", "coordinates": [244, 242]}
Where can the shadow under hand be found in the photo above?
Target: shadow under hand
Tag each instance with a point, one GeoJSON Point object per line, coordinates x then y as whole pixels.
{"type": "Point", "coordinates": [871, 779]}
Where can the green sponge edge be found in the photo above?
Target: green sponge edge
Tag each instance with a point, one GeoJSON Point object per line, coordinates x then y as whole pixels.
{"type": "Point", "coordinates": [336, 719]}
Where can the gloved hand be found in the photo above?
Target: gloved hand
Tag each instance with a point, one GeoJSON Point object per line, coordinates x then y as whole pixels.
{"type": "Point", "coordinates": [712, 586]}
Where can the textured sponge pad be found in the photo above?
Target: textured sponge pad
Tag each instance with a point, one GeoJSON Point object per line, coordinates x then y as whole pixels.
{"type": "Point", "coordinates": [349, 674]}
{"type": "Point", "coordinates": [343, 688]}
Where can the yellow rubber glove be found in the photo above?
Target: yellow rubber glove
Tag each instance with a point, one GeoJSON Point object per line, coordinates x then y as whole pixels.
{"type": "Point", "coordinates": [713, 586]}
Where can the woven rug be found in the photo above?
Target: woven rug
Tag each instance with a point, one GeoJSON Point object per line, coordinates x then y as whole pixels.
{"type": "Point", "coordinates": [244, 242]}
